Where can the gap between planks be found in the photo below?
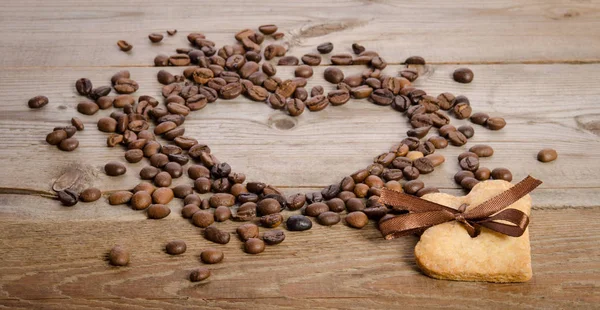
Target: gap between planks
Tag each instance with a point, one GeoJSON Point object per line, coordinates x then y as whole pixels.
{"type": "Point", "coordinates": [524, 62]}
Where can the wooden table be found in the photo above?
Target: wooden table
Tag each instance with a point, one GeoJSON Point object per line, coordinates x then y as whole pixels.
{"type": "Point", "coordinates": [536, 64]}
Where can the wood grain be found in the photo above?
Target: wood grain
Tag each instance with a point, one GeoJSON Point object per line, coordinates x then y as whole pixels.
{"type": "Point", "coordinates": [75, 33]}
{"type": "Point", "coordinates": [310, 268]}
{"type": "Point", "coordinates": [536, 64]}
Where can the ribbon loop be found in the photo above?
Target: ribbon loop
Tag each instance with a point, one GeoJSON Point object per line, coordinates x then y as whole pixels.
{"type": "Point", "coordinates": [424, 214]}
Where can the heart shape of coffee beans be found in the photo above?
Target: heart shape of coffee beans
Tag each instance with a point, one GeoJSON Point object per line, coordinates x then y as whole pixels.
{"type": "Point", "coordinates": [238, 69]}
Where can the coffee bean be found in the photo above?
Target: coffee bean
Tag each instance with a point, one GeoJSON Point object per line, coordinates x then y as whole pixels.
{"type": "Point", "coordinates": [462, 110]}
{"type": "Point", "coordinates": [315, 209]}
{"type": "Point", "coordinates": [479, 118]}
{"type": "Point", "coordinates": [221, 170]}
{"type": "Point", "coordinates": [414, 155]}
{"type": "Point", "coordinates": [457, 138]}
{"type": "Point", "coordinates": [180, 60]}
{"type": "Point", "coordinates": [468, 183]}
{"type": "Point", "coordinates": [356, 219]}
{"type": "Point", "coordinates": [254, 246]}
{"type": "Point", "coordinates": [328, 218]}
{"type": "Point", "coordinates": [120, 197]}
{"type": "Point", "coordinates": [459, 176]}
{"type": "Point", "coordinates": [482, 174]}
{"type": "Point", "coordinates": [165, 77]}
{"type": "Point", "coordinates": [162, 195]}
{"type": "Point", "coordinates": [83, 86]}
{"type": "Point", "coordinates": [410, 173]}
{"type": "Point", "coordinates": [222, 214]}
{"type": "Point", "coordinates": [189, 210]}
{"type": "Point", "coordinates": [311, 59]}
{"type": "Point", "coordinates": [212, 233]}
{"type": "Point", "coordinates": [547, 155]}
{"type": "Point", "coordinates": [90, 194]}
{"type": "Point", "coordinates": [134, 156]}
{"type": "Point", "coordinates": [56, 136]}
{"type": "Point", "coordinates": [141, 200]}
{"type": "Point", "coordinates": [296, 201]}
{"type": "Point", "coordinates": [357, 48]}
{"type": "Point", "coordinates": [413, 186]}
{"type": "Point", "coordinates": [409, 74]}
{"type": "Point", "coordinates": [222, 199]}
{"type": "Point", "coordinates": [495, 123]}
{"type": "Point", "coordinates": [87, 108]}
{"type": "Point", "coordinates": [203, 218]}
{"type": "Point", "coordinates": [267, 29]}
{"type": "Point", "coordinates": [247, 231]}
{"type": "Point", "coordinates": [303, 71]}
{"type": "Point", "coordinates": [415, 60]}
{"type": "Point", "coordinates": [341, 59]}
{"type": "Point", "coordinates": [482, 150]}
{"type": "Point", "coordinates": [67, 197]}
{"type": "Point", "coordinates": [502, 174]}
{"type": "Point", "coordinates": [325, 48]}
{"type": "Point", "coordinates": [144, 187]}
{"type": "Point", "coordinates": [199, 274]}
{"type": "Point", "coordinates": [161, 60]}
{"type": "Point", "coordinates": [155, 37]}
{"type": "Point", "coordinates": [469, 163]}
{"type": "Point", "coordinates": [273, 237]}
{"type": "Point", "coordinates": [427, 190]}
{"type": "Point", "coordinates": [171, 32]}
{"type": "Point", "coordinates": [211, 256]}
{"type": "Point", "coordinates": [124, 45]}
{"type": "Point", "coordinates": [424, 165]}
{"type": "Point", "coordinates": [268, 206]}
{"type": "Point", "coordinates": [355, 204]}
{"type": "Point", "coordinates": [158, 211]}
{"type": "Point", "coordinates": [298, 223]}
{"type": "Point", "coordinates": [68, 145]}
{"type": "Point", "coordinates": [271, 220]}
{"type": "Point", "coordinates": [467, 131]}
{"type": "Point", "coordinates": [118, 256]}
{"type": "Point", "coordinates": [463, 75]}
{"type": "Point", "coordinates": [378, 63]}
{"type": "Point", "coordinates": [115, 168]}
{"type": "Point", "coordinates": [176, 247]}
{"type": "Point", "coordinates": [382, 97]}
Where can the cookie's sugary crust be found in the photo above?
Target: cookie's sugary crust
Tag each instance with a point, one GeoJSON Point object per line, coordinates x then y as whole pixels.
{"type": "Point", "coordinates": [446, 251]}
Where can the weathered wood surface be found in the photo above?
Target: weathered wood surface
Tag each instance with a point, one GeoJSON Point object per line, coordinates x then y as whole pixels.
{"type": "Point", "coordinates": [53, 256]}
{"type": "Point", "coordinates": [71, 33]}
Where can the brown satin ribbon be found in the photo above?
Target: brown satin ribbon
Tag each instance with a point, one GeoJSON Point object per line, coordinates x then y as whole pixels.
{"type": "Point", "coordinates": [424, 214]}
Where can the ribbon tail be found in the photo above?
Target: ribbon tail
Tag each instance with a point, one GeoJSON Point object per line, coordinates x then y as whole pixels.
{"type": "Point", "coordinates": [514, 216]}
{"type": "Point", "coordinates": [411, 223]}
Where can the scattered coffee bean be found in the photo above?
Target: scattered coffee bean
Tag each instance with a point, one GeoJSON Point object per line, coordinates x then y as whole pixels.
{"type": "Point", "coordinates": [271, 220]}
{"type": "Point", "coordinates": [67, 197]}
{"type": "Point", "coordinates": [482, 173]}
{"type": "Point", "coordinates": [120, 197]}
{"type": "Point", "coordinates": [212, 256]}
{"type": "Point", "coordinates": [124, 46]}
{"type": "Point", "coordinates": [328, 218]}
{"type": "Point", "coordinates": [158, 211]}
{"type": "Point", "coordinates": [547, 155]}
{"type": "Point", "coordinates": [247, 231]}
{"type": "Point", "coordinates": [90, 194]}
{"type": "Point", "coordinates": [212, 233]}
{"type": "Point", "coordinates": [68, 145]}
{"type": "Point", "coordinates": [298, 223]}
{"type": "Point", "coordinates": [502, 174]}
{"type": "Point", "coordinates": [463, 75]}
{"type": "Point", "coordinates": [467, 131]}
{"type": "Point", "coordinates": [199, 274]}
{"type": "Point", "coordinates": [325, 48]}
{"type": "Point", "coordinates": [115, 168]}
{"type": "Point", "coordinates": [413, 186]}
{"type": "Point", "coordinates": [468, 183]}
{"type": "Point", "coordinates": [495, 123]}
{"type": "Point", "coordinates": [479, 118]}
{"type": "Point", "coordinates": [254, 246]}
{"type": "Point", "coordinates": [155, 37]}
{"type": "Point", "coordinates": [118, 256]}
{"type": "Point", "coordinates": [357, 219]}
{"type": "Point", "coordinates": [176, 247]}
{"type": "Point", "coordinates": [162, 195]}
{"type": "Point", "coordinates": [273, 237]}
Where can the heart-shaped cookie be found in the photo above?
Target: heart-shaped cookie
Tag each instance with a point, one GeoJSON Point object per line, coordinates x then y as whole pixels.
{"type": "Point", "coordinates": [446, 251]}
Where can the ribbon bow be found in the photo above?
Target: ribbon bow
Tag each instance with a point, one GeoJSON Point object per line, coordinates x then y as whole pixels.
{"type": "Point", "coordinates": [424, 214]}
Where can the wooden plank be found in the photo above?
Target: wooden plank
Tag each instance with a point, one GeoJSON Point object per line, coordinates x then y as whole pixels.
{"type": "Point", "coordinates": [325, 267]}
{"type": "Point", "coordinates": [321, 148]}
{"type": "Point", "coordinates": [75, 33]}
